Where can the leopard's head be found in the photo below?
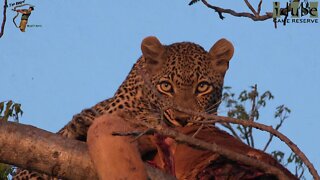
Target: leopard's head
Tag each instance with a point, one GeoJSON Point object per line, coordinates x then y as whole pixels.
{"type": "Point", "coordinates": [187, 75]}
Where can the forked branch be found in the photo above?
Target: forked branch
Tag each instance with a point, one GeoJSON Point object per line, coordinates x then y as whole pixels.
{"type": "Point", "coordinates": [255, 16]}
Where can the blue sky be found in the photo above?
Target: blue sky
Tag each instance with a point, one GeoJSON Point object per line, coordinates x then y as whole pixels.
{"type": "Point", "coordinates": [84, 50]}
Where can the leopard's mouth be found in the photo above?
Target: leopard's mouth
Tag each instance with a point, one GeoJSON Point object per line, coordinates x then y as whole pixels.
{"type": "Point", "coordinates": [174, 122]}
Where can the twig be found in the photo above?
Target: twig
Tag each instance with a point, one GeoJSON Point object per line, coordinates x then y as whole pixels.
{"type": "Point", "coordinates": [252, 114]}
{"type": "Point", "coordinates": [271, 135]}
{"type": "Point", "coordinates": [301, 174]}
{"type": "Point", "coordinates": [228, 126]}
{"type": "Point", "coordinates": [250, 7]}
{"type": "Point", "coordinates": [133, 133]}
{"type": "Point", "coordinates": [259, 7]}
{"type": "Point", "coordinates": [146, 132]}
{"type": "Point", "coordinates": [4, 17]}
{"type": "Point", "coordinates": [136, 134]}
{"type": "Point", "coordinates": [196, 133]}
{"type": "Point", "coordinates": [246, 135]}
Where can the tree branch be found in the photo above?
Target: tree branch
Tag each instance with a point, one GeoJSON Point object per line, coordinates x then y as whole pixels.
{"type": "Point", "coordinates": [211, 119]}
{"type": "Point", "coordinates": [271, 135]}
{"type": "Point", "coordinates": [254, 17]}
{"type": "Point", "coordinates": [253, 113]}
{"type": "Point", "coordinates": [250, 7]}
{"type": "Point", "coordinates": [259, 7]}
{"type": "Point", "coordinates": [35, 149]}
{"type": "Point", "coordinates": [233, 132]}
{"type": "Point", "coordinates": [270, 129]}
{"type": "Point", "coordinates": [4, 17]}
{"type": "Point", "coordinates": [66, 158]}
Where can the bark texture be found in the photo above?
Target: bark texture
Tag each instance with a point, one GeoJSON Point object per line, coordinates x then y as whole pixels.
{"type": "Point", "coordinates": [31, 148]}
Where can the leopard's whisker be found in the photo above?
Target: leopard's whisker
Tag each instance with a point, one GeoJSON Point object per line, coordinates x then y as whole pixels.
{"type": "Point", "coordinates": [213, 107]}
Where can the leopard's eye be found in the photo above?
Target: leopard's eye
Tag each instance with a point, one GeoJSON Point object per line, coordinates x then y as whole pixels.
{"type": "Point", "coordinates": [165, 87]}
{"type": "Point", "coordinates": [203, 88]}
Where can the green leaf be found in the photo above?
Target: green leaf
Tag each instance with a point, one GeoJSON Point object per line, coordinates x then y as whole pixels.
{"type": "Point", "coordinates": [243, 96]}
{"type": "Point", "coordinates": [7, 112]}
{"type": "Point", "coordinates": [267, 95]}
{"type": "Point", "coordinates": [290, 158]}
{"type": "Point", "coordinates": [11, 109]}
{"type": "Point", "coordinates": [262, 102]}
{"type": "Point", "coordinates": [278, 155]}
{"type": "Point", "coordinates": [281, 112]}
{"type": "Point", "coordinates": [17, 109]}
{"type": "Point", "coordinates": [5, 170]}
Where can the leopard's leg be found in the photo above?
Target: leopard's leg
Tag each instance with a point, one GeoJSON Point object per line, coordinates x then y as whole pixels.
{"type": "Point", "coordinates": [76, 129]}
{"type": "Point", "coordinates": [122, 160]}
{"type": "Point", "coordinates": [28, 175]}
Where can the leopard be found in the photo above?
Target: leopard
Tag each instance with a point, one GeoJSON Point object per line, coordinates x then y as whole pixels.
{"type": "Point", "coordinates": [183, 73]}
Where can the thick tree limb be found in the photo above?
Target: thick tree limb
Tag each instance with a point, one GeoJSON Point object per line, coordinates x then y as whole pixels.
{"type": "Point", "coordinates": [35, 149]}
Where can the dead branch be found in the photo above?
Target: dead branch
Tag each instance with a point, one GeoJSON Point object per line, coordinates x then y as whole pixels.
{"type": "Point", "coordinates": [4, 17]}
{"type": "Point", "coordinates": [259, 7]}
{"type": "Point", "coordinates": [31, 148]}
{"type": "Point", "coordinates": [250, 7]}
{"type": "Point", "coordinates": [254, 17]}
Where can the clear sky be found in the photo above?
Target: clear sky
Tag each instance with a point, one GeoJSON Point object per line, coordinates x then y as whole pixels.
{"type": "Point", "coordinates": [84, 50]}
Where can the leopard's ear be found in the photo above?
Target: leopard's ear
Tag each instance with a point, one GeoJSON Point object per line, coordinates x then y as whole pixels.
{"type": "Point", "coordinates": [153, 52]}
{"type": "Point", "coordinates": [221, 53]}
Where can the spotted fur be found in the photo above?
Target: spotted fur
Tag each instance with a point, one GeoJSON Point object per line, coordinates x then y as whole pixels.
{"type": "Point", "coordinates": [182, 65]}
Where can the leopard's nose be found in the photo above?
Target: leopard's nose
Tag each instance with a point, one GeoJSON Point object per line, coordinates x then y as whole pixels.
{"type": "Point", "coordinates": [182, 121]}
{"type": "Point", "coordinates": [182, 118]}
